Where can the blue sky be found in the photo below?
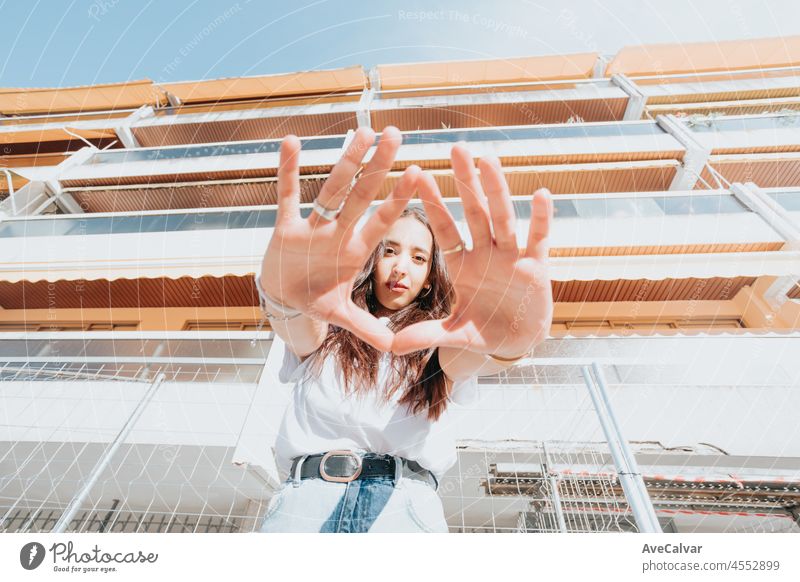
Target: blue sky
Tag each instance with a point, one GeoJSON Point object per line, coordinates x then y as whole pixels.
{"type": "Point", "coordinates": [57, 43]}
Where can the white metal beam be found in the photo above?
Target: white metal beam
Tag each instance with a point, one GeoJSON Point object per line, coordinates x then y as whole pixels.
{"type": "Point", "coordinates": [124, 130]}
{"type": "Point", "coordinates": [61, 198]}
{"type": "Point", "coordinates": [695, 158]}
{"type": "Point", "coordinates": [44, 125]}
{"type": "Point", "coordinates": [775, 215]}
{"type": "Point", "coordinates": [770, 211]}
{"type": "Point", "coordinates": [362, 113]}
{"type": "Point", "coordinates": [778, 293]}
{"type": "Point", "coordinates": [53, 186]}
{"type": "Point", "coordinates": [636, 99]}
{"type": "Point", "coordinates": [126, 136]}
{"type": "Point", "coordinates": [31, 196]}
{"type": "Point", "coordinates": [173, 99]}
{"type": "Point", "coordinates": [599, 69]}
{"type": "Point", "coordinates": [374, 79]}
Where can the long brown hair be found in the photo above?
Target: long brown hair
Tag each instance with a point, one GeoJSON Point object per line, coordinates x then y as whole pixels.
{"type": "Point", "coordinates": [419, 372]}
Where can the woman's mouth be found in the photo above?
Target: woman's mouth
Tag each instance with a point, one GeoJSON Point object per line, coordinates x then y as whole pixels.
{"type": "Point", "coordinates": [396, 287]}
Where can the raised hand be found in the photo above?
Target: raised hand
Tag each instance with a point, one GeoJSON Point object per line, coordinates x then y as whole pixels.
{"type": "Point", "coordinates": [504, 303]}
{"type": "Point", "coordinates": [311, 264]}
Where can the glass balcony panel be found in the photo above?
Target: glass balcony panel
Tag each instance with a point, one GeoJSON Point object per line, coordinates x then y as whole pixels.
{"type": "Point", "coordinates": [677, 205]}
{"type": "Point", "coordinates": [789, 200]}
{"type": "Point", "coordinates": [211, 150]}
{"type": "Point", "coordinates": [534, 132]}
{"type": "Point", "coordinates": [577, 130]}
{"type": "Point", "coordinates": [651, 206]}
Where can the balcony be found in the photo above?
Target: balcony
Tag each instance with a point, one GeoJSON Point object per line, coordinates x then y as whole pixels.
{"type": "Point", "coordinates": [567, 158]}
{"type": "Point", "coordinates": [740, 92]}
{"type": "Point", "coordinates": [666, 247]}
{"type": "Point", "coordinates": [764, 149]}
{"type": "Point", "coordinates": [585, 224]}
{"type": "Point", "coordinates": [181, 466]}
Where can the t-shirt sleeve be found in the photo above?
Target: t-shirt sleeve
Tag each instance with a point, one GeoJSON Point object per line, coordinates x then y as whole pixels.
{"type": "Point", "coordinates": [291, 367]}
{"type": "Point", "coordinates": [465, 391]}
{"type": "Point", "coordinates": [260, 289]}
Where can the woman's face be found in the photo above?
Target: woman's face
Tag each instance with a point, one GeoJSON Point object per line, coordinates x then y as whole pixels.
{"type": "Point", "coordinates": [402, 273]}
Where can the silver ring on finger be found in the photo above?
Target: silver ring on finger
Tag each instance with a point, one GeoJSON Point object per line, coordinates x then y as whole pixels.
{"type": "Point", "coordinates": [455, 249]}
{"type": "Point", "coordinates": [326, 213]}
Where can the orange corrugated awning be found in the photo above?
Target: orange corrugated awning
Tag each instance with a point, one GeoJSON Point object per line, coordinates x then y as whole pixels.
{"type": "Point", "coordinates": [42, 264]}
{"type": "Point", "coordinates": [700, 57]}
{"type": "Point", "coordinates": [302, 83]}
{"type": "Point", "coordinates": [39, 136]}
{"type": "Point", "coordinates": [513, 70]}
{"type": "Point", "coordinates": [17, 181]}
{"type": "Point", "coordinates": [32, 160]}
{"type": "Point", "coordinates": [87, 98]}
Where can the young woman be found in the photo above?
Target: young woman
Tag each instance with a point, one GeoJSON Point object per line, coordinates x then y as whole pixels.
{"type": "Point", "coordinates": [388, 325]}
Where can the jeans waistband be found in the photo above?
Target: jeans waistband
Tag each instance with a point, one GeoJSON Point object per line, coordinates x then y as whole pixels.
{"type": "Point", "coordinates": [376, 464]}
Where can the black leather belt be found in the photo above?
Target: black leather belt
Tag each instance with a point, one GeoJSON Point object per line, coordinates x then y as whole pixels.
{"type": "Point", "coordinates": [343, 466]}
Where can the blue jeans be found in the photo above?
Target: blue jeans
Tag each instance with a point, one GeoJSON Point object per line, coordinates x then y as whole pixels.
{"type": "Point", "coordinates": [372, 504]}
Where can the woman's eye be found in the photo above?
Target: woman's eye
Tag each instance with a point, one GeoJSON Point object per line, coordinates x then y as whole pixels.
{"type": "Point", "coordinates": [417, 257]}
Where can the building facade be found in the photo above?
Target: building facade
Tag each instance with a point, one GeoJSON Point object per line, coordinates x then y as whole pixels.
{"type": "Point", "coordinates": [138, 376]}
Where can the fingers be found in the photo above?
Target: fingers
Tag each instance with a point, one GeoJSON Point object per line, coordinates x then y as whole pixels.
{"type": "Point", "coordinates": [370, 181]}
{"type": "Point", "coordinates": [389, 210]}
{"type": "Point", "coordinates": [439, 217]}
{"type": "Point", "coordinates": [541, 217]}
{"type": "Point", "coordinates": [426, 334]}
{"type": "Point", "coordinates": [500, 205]}
{"type": "Point", "coordinates": [469, 188]}
{"type": "Point", "coordinates": [336, 186]}
{"type": "Point", "coordinates": [364, 325]}
{"type": "Point", "coordinates": [289, 181]}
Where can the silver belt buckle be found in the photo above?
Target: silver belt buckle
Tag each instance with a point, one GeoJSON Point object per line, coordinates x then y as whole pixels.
{"type": "Point", "coordinates": [324, 474]}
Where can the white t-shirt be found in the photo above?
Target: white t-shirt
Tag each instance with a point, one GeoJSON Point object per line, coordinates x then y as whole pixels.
{"type": "Point", "coordinates": [320, 417]}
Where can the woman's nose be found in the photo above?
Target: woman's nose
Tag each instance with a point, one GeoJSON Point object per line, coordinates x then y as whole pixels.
{"type": "Point", "coordinates": [400, 266]}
